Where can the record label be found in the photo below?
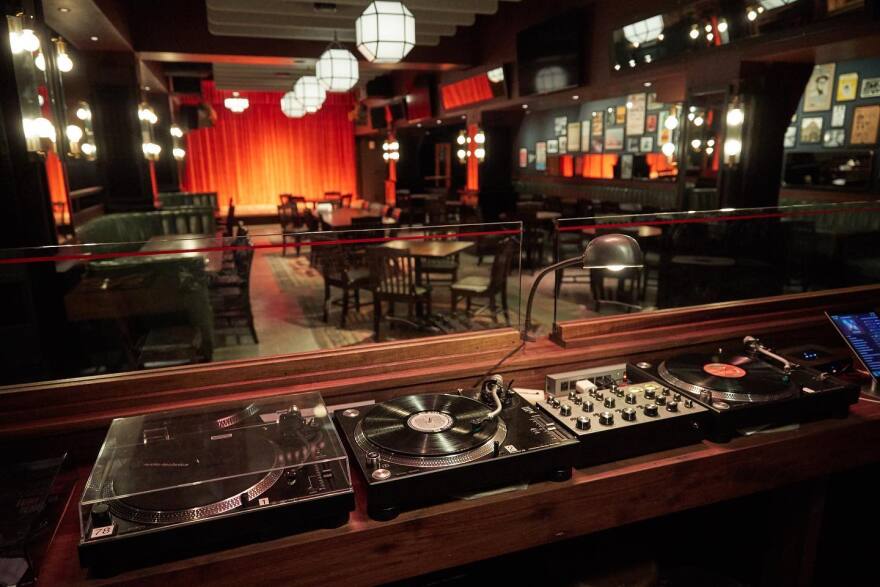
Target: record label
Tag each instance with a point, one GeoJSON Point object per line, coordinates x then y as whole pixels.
{"type": "Point", "coordinates": [430, 421]}
{"type": "Point", "coordinates": [725, 370]}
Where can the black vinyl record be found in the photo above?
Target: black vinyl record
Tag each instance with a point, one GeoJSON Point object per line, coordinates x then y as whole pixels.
{"type": "Point", "coordinates": [736, 376]}
{"type": "Point", "coordinates": [428, 425]}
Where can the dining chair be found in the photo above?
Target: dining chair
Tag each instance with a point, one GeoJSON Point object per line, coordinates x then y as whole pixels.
{"type": "Point", "coordinates": [490, 286]}
{"type": "Point", "coordinates": [293, 225]}
{"type": "Point", "coordinates": [232, 303]}
{"type": "Point", "coordinates": [337, 271]}
{"type": "Point", "coordinates": [393, 274]}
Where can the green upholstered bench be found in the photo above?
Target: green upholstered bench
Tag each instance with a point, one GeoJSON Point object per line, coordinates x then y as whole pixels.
{"type": "Point", "coordinates": [131, 229]}
{"type": "Point", "coordinates": [170, 200]}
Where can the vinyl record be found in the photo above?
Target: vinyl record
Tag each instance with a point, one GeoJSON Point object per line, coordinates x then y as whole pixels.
{"type": "Point", "coordinates": [191, 480]}
{"type": "Point", "coordinates": [429, 425]}
{"type": "Point", "coordinates": [729, 377]}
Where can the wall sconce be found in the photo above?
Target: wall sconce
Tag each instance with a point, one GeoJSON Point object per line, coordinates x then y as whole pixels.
{"type": "Point", "coordinates": [151, 151]}
{"type": "Point", "coordinates": [733, 140]}
{"type": "Point", "coordinates": [179, 153]}
{"type": "Point", "coordinates": [147, 114]}
{"type": "Point", "coordinates": [471, 147]}
{"type": "Point", "coordinates": [390, 149]}
{"type": "Point", "coordinates": [62, 58]}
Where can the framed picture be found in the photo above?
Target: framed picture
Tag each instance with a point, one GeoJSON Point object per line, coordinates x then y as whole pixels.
{"type": "Point", "coordinates": [531, 157]}
{"type": "Point", "coordinates": [870, 87]}
{"type": "Point", "coordinates": [790, 139]}
{"type": "Point", "coordinates": [838, 115]}
{"type": "Point", "coordinates": [632, 144]}
{"type": "Point", "coordinates": [864, 125]}
{"type": "Point", "coordinates": [635, 114]}
{"type": "Point", "coordinates": [834, 137]}
{"type": "Point", "coordinates": [574, 136]}
{"type": "Point", "coordinates": [651, 123]}
{"type": "Point", "coordinates": [646, 144]}
{"type": "Point", "coordinates": [597, 145]}
{"type": "Point", "coordinates": [585, 134]}
{"type": "Point", "coordinates": [620, 115]}
{"type": "Point", "coordinates": [610, 117]}
{"type": "Point", "coordinates": [552, 146]}
{"type": "Point", "coordinates": [653, 104]}
{"type": "Point", "coordinates": [540, 156]}
{"type": "Point", "coordinates": [523, 157]}
{"type": "Point", "coordinates": [613, 139]}
{"type": "Point", "coordinates": [559, 125]}
{"type": "Point", "coordinates": [626, 166]}
{"type": "Point", "coordinates": [563, 144]}
{"type": "Point", "coordinates": [596, 125]}
{"type": "Point", "coordinates": [847, 86]}
{"type": "Point", "coordinates": [811, 130]}
{"type": "Point", "coordinates": [817, 95]}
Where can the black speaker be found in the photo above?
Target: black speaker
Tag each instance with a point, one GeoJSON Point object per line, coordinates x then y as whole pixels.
{"type": "Point", "coordinates": [186, 85]}
{"type": "Point", "coordinates": [377, 118]}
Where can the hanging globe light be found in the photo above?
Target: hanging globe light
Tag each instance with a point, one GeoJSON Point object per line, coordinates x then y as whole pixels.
{"type": "Point", "coordinates": [309, 93]}
{"type": "Point", "coordinates": [385, 32]}
{"type": "Point", "coordinates": [291, 107]}
{"type": "Point", "coordinates": [337, 69]}
{"type": "Point", "coordinates": [236, 103]}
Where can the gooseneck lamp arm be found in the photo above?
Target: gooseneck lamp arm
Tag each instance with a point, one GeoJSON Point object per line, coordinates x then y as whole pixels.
{"type": "Point", "coordinates": [555, 267]}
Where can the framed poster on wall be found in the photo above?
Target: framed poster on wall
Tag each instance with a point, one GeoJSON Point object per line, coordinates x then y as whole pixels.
{"type": "Point", "coordinates": [864, 125]}
{"type": "Point", "coordinates": [614, 139]}
{"type": "Point", "coordinates": [817, 95]}
{"type": "Point", "coordinates": [635, 114]}
{"type": "Point", "coordinates": [540, 156]}
{"type": "Point", "coordinates": [574, 136]}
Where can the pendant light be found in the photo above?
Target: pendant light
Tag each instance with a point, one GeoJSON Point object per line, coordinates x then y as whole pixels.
{"type": "Point", "coordinates": [309, 93]}
{"type": "Point", "coordinates": [385, 32]}
{"type": "Point", "coordinates": [291, 107]}
{"type": "Point", "coordinates": [236, 103]}
{"type": "Point", "coordinates": [337, 69]}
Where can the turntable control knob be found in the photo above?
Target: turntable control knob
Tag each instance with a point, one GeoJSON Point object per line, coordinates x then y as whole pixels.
{"type": "Point", "coordinates": [676, 397]}
{"type": "Point", "coordinates": [101, 515]}
{"type": "Point", "coordinates": [688, 403]}
{"type": "Point", "coordinates": [609, 402]}
{"type": "Point", "coordinates": [373, 460]}
{"type": "Point", "coordinates": [606, 418]}
{"type": "Point", "coordinates": [631, 398]}
{"type": "Point", "coordinates": [721, 405]}
{"type": "Point", "coordinates": [565, 410]}
{"type": "Point", "coordinates": [706, 397]}
{"type": "Point", "coordinates": [599, 396]}
{"type": "Point", "coordinates": [672, 407]}
{"type": "Point", "coordinates": [651, 410]}
{"type": "Point", "coordinates": [554, 402]}
{"type": "Point", "coordinates": [649, 393]}
{"type": "Point", "coordinates": [572, 395]}
{"type": "Point", "coordinates": [628, 414]}
{"type": "Point", "coordinates": [660, 400]}
{"type": "Point", "coordinates": [588, 406]}
{"type": "Point", "coordinates": [578, 400]}
{"type": "Point", "coordinates": [583, 423]}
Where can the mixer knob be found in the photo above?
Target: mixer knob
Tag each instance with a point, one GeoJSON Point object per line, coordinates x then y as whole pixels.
{"type": "Point", "coordinates": [688, 403]}
{"type": "Point", "coordinates": [619, 392]}
{"type": "Point", "coordinates": [660, 400]}
{"type": "Point", "coordinates": [599, 396]}
{"type": "Point", "coordinates": [676, 397]}
{"type": "Point", "coordinates": [650, 393]}
{"type": "Point", "coordinates": [572, 395]}
{"type": "Point", "coordinates": [672, 407]}
{"type": "Point", "coordinates": [631, 398]}
{"type": "Point", "coordinates": [609, 402]}
{"type": "Point", "coordinates": [651, 410]}
{"type": "Point", "coordinates": [628, 414]}
{"type": "Point", "coordinates": [583, 423]}
{"type": "Point", "coordinates": [588, 406]}
{"type": "Point", "coordinates": [578, 400]}
{"type": "Point", "coordinates": [565, 410]}
{"type": "Point", "coordinates": [666, 391]}
{"type": "Point", "coordinates": [606, 418]}
{"type": "Point", "coordinates": [554, 402]}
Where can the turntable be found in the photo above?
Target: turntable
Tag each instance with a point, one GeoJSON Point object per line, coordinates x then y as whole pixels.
{"type": "Point", "coordinates": [753, 387]}
{"type": "Point", "coordinates": [418, 449]}
{"type": "Point", "coordinates": [164, 483]}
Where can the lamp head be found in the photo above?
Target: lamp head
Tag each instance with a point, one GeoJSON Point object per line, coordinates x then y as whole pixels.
{"type": "Point", "coordinates": [613, 252]}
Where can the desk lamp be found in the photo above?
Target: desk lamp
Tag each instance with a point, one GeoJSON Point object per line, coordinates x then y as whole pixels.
{"type": "Point", "coordinates": [614, 252]}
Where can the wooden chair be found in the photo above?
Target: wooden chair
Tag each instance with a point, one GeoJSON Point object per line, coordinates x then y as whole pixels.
{"type": "Point", "coordinates": [232, 303]}
{"type": "Point", "coordinates": [335, 267]}
{"type": "Point", "coordinates": [488, 286]}
{"type": "Point", "coordinates": [393, 275]}
{"type": "Point", "coordinates": [435, 211]}
{"type": "Point", "coordinates": [345, 200]}
{"type": "Point", "coordinates": [293, 225]}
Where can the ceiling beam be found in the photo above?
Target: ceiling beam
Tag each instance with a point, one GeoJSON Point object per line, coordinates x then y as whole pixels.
{"type": "Point", "coordinates": [317, 21]}
{"type": "Point", "coordinates": [434, 15]}
{"type": "Point", "coordinates": [299, 33]}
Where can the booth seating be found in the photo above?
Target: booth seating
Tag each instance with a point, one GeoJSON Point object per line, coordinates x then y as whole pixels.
{"type": "Point", "coordinates": [129, 230]}
{"type": "Point", "coordinates": [169, 200]}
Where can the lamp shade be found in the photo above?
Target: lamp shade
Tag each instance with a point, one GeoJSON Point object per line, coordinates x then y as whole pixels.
{"type": "Point", "coordinates": [385, 32]}
{"type": "Point", "coordinates": [613, 252]}
{"type": "Point", "coordinates": [309, 93]}
{"type": "Point", "coordinates": [291, 107]}
{"type": "Point", "coordinates": [236, 103]}
{"type": "Point", "coordinates": [337, 70]}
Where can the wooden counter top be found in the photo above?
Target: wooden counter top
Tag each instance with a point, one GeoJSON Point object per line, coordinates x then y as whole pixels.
{"type": "Point", "coordinates": [368, 552]}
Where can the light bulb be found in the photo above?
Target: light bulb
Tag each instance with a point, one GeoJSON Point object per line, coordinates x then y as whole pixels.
{"type": "Point", "coordinates": [63, 61]}
{"type": "Point", "coordinates": [175, 131]}
{"type": "Point", "coordinates": [178, 153]}
{"type": "Point", "coordinates": [671, 122]}
{"type": "Point", "coordinates": [460, 140]}
{"type": "Point", "coordinates": [461, 153]}
{"type": "Point", "coordinates": [480, 137]}
{"type": "Point", "coordinates": [752, 15]}
{"type": "Point", "coordinates": [28, 41]}
{"type": "Point", "coordinates": [735, 117]}
{"type": "Point", "coordinates": [83, 113]}
{"type": "Point", "coordinates": [40, 61]}
{"type": "Point", "coordinates": [698, 121]}
{"type": "Point", "coordinates": [696, 143]}
{"type": "Point", "coordinates": [732, 147]}
{"type": "Point", "coordinates": [480, 153]}
{"type": "Point", "coordinates": [695, 33]}
{"type": "Point", "coordinates": [615, 268]}
{"type": "Point", "coordinates": [88, 149]}
{"type": "Point", "coordinates": [74, 133]}
{"type": "Point", "coordinates": [668, 149]}
{"type": "Point", "coordinates": [722, 26]}
{"type": "Point", "coordinates": [394, 146]}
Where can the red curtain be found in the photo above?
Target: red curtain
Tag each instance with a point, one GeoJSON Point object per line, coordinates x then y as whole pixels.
{"type": "Point", "coordinates": [254, 156]}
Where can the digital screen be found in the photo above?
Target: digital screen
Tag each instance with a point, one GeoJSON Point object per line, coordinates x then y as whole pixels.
{"type": "Point", "coordinates": [862, 333]}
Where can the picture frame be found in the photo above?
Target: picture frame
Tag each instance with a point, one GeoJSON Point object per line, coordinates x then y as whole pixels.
{"type": "Point", "coordinates": [646, 144]}
{"type": "Point", "coordinates": [636, 108]}
{"type": "Point", "coordinates": [523, 158]}
{"type": "Point", "coordinates": [597, 145]}
{"type": "Point", "coordinates": [613, 139]}
{"type": "Point", "coordinates": [870, 87]}
{"type": "Point", "coordinates": [847, 87]}
{"type": "Point", "coordinates": [865, 121]}
{"type": "Point", "coordinates": [560, 124]}
{"type": "Point", "coordinates": [838, 115]}
{"type": "Point", "coordinates": [790, 139]}
{"type": "Point", "coordinates": [596, 124]}
{"type": "Point", "coordinates": [553, 146]}
{"type": "Point", "coordinates": [574, 136]}
{"type": "Point", "coordinates": [818, 93]}
{"type": "Point", "coordinates": [811, 130]}
{"type": "Point", "coordinates": [541, 156]}
{"type": "Point", "coordinates": [633, 144]}
{"type": "Point", "coordinates": [586, 129]}
{"type": "Point", "coordinates": [651, 123]}
{"type": "Point", "coordinates": [610, 117]}
{"type": "Point", "coordinates": [563, 144]}
{"type": "Point", "coordinates": [653, 104]}
{"type": "Point", "coordinates": [834, 138]}
{"type": "Point", "coordinates": [620, 114]}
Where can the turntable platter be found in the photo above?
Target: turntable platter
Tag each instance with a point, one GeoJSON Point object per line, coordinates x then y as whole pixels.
{"type": "Point", "coordinates": [201, 481]}
{"type": "Point", "coordinates": [728, 377]}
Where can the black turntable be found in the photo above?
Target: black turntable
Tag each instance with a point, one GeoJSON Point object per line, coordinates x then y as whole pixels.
{"type": "Point", "coordinates": [419, 449]}
{"type": "Point", "coordinates": [754, 387]}
{"type": "Point", "coordinates": [168, 482]}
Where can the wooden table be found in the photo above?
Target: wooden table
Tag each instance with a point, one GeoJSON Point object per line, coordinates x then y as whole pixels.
{"type": "Point", "coordinates": [634, 231]}
{"type": "Point", "coordinates": [433, 249]}
{"type": "Point", "coordinates": [364, 551]}
{"type": "Point", "coordinates": [187, 246]}
{"type": "Point", "coordinates": [544, 215]}
{"type": "Point", "coordinates": [342, 217]}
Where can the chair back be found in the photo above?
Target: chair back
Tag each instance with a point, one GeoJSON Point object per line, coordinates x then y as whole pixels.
{"type": "Point", "coordinates": [244, 258]}
{"type": "Point", "coordinates": [230, 218]}
{"type": "Point", "coordinates": [289, 216]}
{"type": "Point", "coordinates": [345, 200]}
{"type": "Point", "coordinates": [331, 261]}
{"type": "Point", "coordinates": [393, 271]}
{"type": "Point", "coordinates": [623, 291]}
{"type": "Point", "coordinates": [507, 250]}
{"type": "Point", "coordinates": [436, 211]}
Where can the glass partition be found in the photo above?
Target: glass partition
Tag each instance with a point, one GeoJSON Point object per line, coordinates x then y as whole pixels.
{"type": "Point", "coordinates": [707, 256]}
{"type": "Point", "coordinates": [117, 304]}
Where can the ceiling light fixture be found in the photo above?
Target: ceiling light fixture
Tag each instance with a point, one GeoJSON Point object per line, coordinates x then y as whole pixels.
{"type": "Point", "coordinates": [385, 32]}
{"type": "Point", "coordinates": [291, 107]}
{"type": "Point", "coordinates": [337, 69]}
{"type": "Point", "coordinates": [93, 38]}
{"type": "Point", "coordinates": [309, 93]}
{"type": "Point", "coordinates": [236, 103]}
